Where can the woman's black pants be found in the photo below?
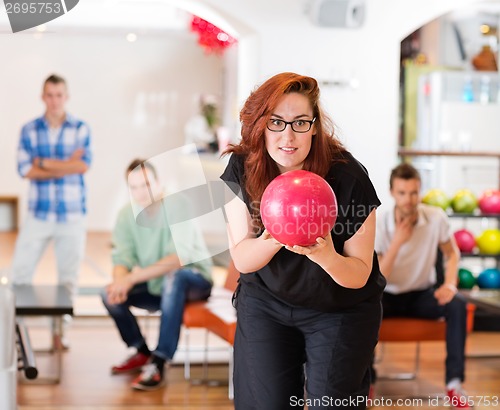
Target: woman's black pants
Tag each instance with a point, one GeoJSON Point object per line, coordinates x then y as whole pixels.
{"type": "Point", "coordinates": [287, 357]}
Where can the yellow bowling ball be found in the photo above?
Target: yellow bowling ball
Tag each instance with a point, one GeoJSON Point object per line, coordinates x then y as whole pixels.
{"type": "Point", "coordinates": [489, 242]}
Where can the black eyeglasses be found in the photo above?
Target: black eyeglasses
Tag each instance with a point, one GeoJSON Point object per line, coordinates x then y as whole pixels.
{"type": "Point", "coordinates": [301, 126]}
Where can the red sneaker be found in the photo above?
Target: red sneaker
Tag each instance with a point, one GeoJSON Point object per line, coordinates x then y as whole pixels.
{"type": "Point", "coordinates": [458, 399]}
{"type": "Point", "coordinates": [132, 364]}
{"type": "Point", "coordinates": [149, 379]}
{"type": "Point", "coordinates": [371, 396]}
{"type": "Point", "coordinates": [371, 392]}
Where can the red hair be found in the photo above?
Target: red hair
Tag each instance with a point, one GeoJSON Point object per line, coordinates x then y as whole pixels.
{"type": "Point", "coordinates": [260, 168]}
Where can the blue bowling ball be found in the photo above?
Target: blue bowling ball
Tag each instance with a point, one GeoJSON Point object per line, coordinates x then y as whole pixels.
{"type": "Point", "coordinates": [489, 279]}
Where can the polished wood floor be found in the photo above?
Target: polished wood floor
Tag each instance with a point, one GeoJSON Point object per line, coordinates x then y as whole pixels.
{"type": "Point", "coordinates": [95, 346]}
{"type": "Point", "coordinates": [87, 382]}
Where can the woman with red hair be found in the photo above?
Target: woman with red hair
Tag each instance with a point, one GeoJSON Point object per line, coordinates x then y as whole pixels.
{"type": "Point", "coordinates": [307, 316]}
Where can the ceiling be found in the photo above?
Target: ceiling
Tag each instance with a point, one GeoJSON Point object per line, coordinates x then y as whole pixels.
{"type": "Point", "coordinates": [144, 16]}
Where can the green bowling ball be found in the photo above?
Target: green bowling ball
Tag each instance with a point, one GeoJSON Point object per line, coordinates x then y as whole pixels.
{"type": "Point", "coordinates": [466, 279]}
{"type": "Point", "coordinates": [436, 197]}
{"type": "Point", "coordinates": [464, 202]}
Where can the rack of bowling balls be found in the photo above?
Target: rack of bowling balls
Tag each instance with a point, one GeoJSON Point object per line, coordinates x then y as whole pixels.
{"type": "Point", "coordinates": [466, 204]}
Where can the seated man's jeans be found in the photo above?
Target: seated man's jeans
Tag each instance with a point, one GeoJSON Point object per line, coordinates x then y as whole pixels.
{"type": "Point", "coordinates": [423, 304]}
{"type": "Point", "coordinates": [179, 287]}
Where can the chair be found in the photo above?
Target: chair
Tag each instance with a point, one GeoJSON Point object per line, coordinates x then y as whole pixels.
{"type": "Point", "coordinates": [416, 330]}
{"type": "Point", "coordinates": [216, 315]}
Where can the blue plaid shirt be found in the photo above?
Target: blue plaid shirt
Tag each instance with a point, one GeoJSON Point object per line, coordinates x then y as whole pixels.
{"type": "Point", "coordinates": [58, 199]}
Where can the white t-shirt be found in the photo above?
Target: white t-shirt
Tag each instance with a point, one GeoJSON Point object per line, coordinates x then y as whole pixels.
{"type": "Point", "coordinates": [414, 266]}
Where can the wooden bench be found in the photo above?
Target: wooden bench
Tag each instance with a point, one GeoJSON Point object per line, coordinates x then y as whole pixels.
{"type": "Point", "coordinates": [216, 315]}
{"type": "Point", "coordinates": [416, 330]}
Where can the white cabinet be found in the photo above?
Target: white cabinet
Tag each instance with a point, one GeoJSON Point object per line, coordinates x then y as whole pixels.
{"type": "Point", "coordinates": [458, 114]}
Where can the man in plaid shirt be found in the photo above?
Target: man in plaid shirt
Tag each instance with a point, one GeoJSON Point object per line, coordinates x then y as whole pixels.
{"type": "Point", "coordinates": [54, 154]}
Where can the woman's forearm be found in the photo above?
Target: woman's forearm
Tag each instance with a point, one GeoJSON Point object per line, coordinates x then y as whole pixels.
{"type": "Point", "coordinates": [251, 254]}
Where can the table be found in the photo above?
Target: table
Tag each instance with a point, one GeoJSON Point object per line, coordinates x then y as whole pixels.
{"type": "Point", "coordinates": [488, 299]}
{"type": "Point", "coordinates": [45, 300]}
{"type": "Point", "coordinates": [8, 363]}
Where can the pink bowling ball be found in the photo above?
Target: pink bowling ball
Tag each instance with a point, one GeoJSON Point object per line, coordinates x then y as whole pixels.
{"type": "Point", "coordinates": [297, 207]}
{"type": "Point", "coordinates": [489, 202]}
{"type": "Point", "coordinates": [465, 240]}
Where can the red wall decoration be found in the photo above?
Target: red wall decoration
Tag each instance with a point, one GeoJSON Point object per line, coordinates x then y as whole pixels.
{"type": "Point", "coordinates": [211, 37]}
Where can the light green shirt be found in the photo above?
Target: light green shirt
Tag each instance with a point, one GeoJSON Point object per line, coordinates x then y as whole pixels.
{"type": "Point", "coordinates": [142, 239]}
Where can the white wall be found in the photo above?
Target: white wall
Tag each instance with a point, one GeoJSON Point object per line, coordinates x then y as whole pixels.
{"type": "Point", "coordinates": [367, 117]}
{"type": "Point", "coordinates": [136, 97]}
{"type": "Point", "coordinates": [106, 75]}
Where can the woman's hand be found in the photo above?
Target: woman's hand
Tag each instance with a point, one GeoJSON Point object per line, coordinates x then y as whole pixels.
{"type": "Point", "coordinates": [320, 252]}
{"type": "Point", "coordinates": [266, 236]}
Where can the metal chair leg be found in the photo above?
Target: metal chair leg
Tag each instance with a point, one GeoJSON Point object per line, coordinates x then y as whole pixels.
{"type": "Point", "coordinates": [205, 358]}
{"type": "Point", "coordinates": [230, 376]}
{"type": "Point", "coordinates": [187, 362]}
{"type": "Point", "coordinates": [405, 375]}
